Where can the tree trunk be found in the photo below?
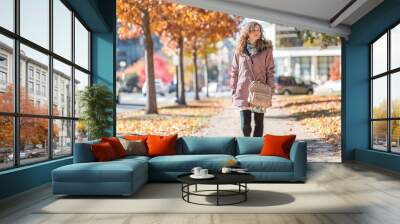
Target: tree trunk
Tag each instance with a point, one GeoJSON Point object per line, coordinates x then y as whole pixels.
{"type": "Point", "coordinates": [181, 86]}
{"type": "Point", "coordinates": [220, 77]}
{"type": "Point", "coordinates": [151, 106]}
{"type": "Point", "coordinates": [195, 76]}
{"type": "Point", "coordinates": [206, 74]}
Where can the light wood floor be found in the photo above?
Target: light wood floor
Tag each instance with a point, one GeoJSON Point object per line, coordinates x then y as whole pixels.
{"type": "Point", "coordinates": [377, 188]}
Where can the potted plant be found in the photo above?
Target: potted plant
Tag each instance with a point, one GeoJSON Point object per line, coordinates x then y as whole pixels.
{"type": "Point", "coordinates": [96, 103]}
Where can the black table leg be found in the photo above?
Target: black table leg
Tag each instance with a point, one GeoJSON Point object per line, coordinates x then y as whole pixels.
{"type": "Point", "coordinates": [182, 190]}
{"type": "Point", "coordinates": [185, 188]}
{"type": "Point", "coordinates": [188, 190]}
{"type": "Point", "coordinates": [245, 193]}
{"type": "Point", "coordinates": [217, 194]}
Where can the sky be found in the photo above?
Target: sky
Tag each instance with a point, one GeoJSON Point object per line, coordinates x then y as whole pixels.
{"type": "Point", "coordinates": [35, 27]}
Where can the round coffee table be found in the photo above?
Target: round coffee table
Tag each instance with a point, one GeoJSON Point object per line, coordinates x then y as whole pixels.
{"type": "Point", "coordinates": [238, 179]}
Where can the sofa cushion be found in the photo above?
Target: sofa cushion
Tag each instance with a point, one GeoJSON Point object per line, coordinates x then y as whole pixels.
{"type": "Point", "coordinates": [159, 145]}
{"type": "Point", "coordinates": [257, 163]}
{"type": "Point", "coordinates": [248, 145]}
{"type": "Point", "coordinates": [133, 157]}
{"type": "Point", "coordinates": [103, 151]}
{"type": "Point", "coordinates": [116, 145]}
{"type": "Point", "coordinates": [277, 145]}
{"type": "Point", "coordinates": [185, 163]}
{"type": "Point", "coordinates": [112, 171]}
{"type": "Point", "coordinates": [197, 145]}
{"type": "Point", "coordinates": [134, 147]}
{"type": "Point", "coordinates": [137, 137]}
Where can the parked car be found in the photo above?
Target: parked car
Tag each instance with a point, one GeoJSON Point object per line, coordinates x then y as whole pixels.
{"type": "Point", "coordinates": [129, 84]}
{"type": "Point", "coordinates": [288, 85]}
{"type": "Point", "coordinates": [212, 87]}
{"type": "Point", "coordinates": [161, 88]}
{"type": "Point", "coordinates": [25, 154]}
{"type": "Point", "coordinates": [329, 87]}
{"type": "Point", "coordinates": [172, 88]}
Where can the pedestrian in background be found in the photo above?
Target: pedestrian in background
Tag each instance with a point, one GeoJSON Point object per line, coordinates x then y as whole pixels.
{"type": "Point", "coordinates": [252, 60]}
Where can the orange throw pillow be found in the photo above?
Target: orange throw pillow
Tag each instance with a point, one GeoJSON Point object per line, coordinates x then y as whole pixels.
{"type": "Point", "coordinates": [103, 152]}
{"type": "Point", "coordinates": [277, 145]}
{"type": "Point", "coordinates": [136, 137]}
{"type": "Point", "coordinates": [116, 145]}
{"type": "Point", "coordinates": [161, 145]}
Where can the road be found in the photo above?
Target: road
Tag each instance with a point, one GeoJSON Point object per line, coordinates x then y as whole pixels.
{"type": "Point", "coordinates": [136, 101]}
{"type": "Point", "coordinates": [277, 122]}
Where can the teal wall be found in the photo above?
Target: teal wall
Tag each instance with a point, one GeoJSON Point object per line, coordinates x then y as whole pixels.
{"type": "Point", "coordinates": [103, 67]}
{"type": "Point", "coordinates": [24, 178]}
{"type": "Point", "coordinates": [99, 16]}
{"type": "Point", "coordinates": [355, 83]}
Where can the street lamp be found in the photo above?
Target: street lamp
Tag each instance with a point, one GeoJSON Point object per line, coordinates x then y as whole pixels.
{"type": "Point", "coordinates": [122, 65]}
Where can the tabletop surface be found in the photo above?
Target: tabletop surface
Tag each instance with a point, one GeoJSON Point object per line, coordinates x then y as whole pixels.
{"type": "Point", "coordinates": [220, 178]}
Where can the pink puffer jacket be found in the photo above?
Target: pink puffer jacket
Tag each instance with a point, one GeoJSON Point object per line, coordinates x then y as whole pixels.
{"type": "Point", "coordinates": [240, 76]}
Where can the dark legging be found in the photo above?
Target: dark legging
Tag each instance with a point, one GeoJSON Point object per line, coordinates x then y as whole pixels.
{"type": "Point", "coordinates": [245, 123]}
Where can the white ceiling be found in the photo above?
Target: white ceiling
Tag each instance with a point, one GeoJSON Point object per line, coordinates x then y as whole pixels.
{"type": "Point", "coordinates": [316, 15]}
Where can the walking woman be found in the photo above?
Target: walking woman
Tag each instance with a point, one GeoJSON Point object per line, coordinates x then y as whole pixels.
{"type": "Point", "coordinates": [252, 60]}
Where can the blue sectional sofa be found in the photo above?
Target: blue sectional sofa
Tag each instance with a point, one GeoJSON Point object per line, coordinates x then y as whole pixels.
{"type": "Point", "coordinates": [125, 176]}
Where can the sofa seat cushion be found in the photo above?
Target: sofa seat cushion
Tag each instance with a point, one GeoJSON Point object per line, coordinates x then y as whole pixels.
{"type": "Point", "coordinates": [257, 163]}
{"type": "Point", "coordinates": [134, 157]}
{"type": "Point", "coordinates": [185, 163]}
{"type": "Point", "coordinates": [112, 171]}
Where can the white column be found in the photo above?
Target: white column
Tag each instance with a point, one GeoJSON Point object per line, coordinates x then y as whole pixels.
{"type": "Point", "coordinates": [314, 68]}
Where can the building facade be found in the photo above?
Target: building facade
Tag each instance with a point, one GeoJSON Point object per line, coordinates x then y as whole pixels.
{"type": "Point", "coordinates": [34, 82]}
{"type": "Point", "coordinates": [293, 58]}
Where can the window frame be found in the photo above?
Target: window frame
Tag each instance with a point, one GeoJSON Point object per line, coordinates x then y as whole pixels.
{"type": "Point", "coordinates": [16, 114]}
{"type": "Point", "coordinates": [388, 74]}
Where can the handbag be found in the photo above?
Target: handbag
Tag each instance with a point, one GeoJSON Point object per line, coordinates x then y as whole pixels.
{"type": "Point", "coordinates": [260, 94]}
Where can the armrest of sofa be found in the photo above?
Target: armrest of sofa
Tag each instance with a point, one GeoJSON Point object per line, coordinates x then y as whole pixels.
{"type": "Point", "coordinates": [298, 155]}
{"type": "Point", "coordinates": [83, 152]}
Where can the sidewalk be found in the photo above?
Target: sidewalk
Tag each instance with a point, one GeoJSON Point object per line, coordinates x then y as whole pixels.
{"type": "Point", "coordinates": [278, 122]}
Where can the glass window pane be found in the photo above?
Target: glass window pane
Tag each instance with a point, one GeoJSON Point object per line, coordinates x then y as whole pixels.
{"type": "Point", "coordinates": [33, 139]}
{"type": "Point", "coordinates": [6, 74]}
{"type": "Point", "coordinates": [379, 135]}
{"type": "Point", "coordinates": [62, 138]}
{"type": "Point", "coordinates": [395, 94]}
{"type": "Point", "coordinates": [379, 55]}
{"type": "Point", "coordinates": [395, 136]}
{"type": "Point", "coordinates": [6, 142]}
{"type": "Point", "coordinates": [81, 45]}
{"type": "Point", "coordinates": [34, 96]}
{"type": "Point", "coordinates": [379, 97]}
{"type": "Point", "coordinates": [35, 21]}
{"type": "Point", "coordinates": [395, 47]}
{"type": "Point", "coordinates": [62, 89]}
{"type": "Point", "coordinates": [7, 14]}
{"type": "Point", "coordinates": [81, 81]}
{"type": "Point", "coordinates": [62, 29]}
{"type": "Point", "coordinates": [81, 131]}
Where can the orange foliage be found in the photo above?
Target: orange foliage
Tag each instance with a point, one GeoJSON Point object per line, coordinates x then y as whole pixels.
{"type": "Point", "coordinates": [334, 69]}
{"type": "Point", "coordinates": [320, 113]}
{"type": "Point", "coordinates": [161, 70]}
{"type": "Point", "coordinates": [33, 130]}
{"type": "Point", "coordinates": [210, 27]}
{"type": "Point", "coordinates": [172, 21]}
{"type": "Point", "coordinates": [130, 17]}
